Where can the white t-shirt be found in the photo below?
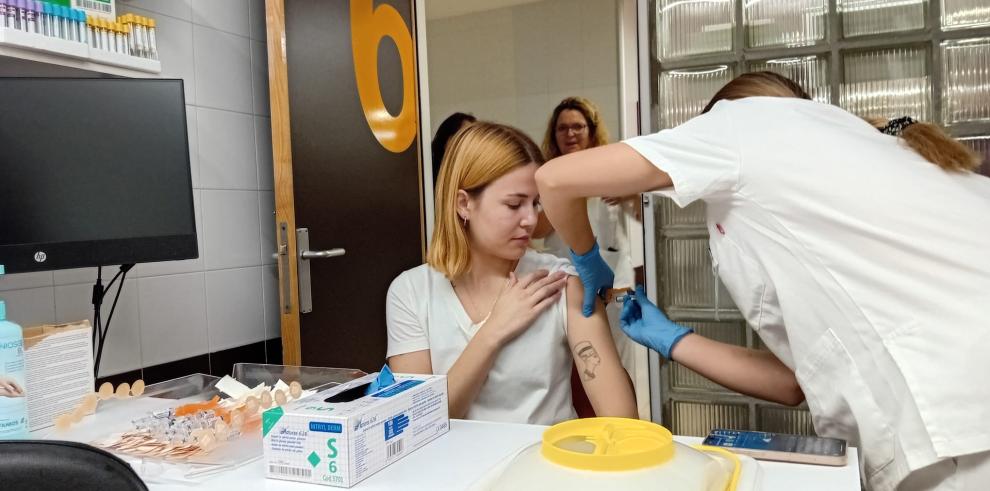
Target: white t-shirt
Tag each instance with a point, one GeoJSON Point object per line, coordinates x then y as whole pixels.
{"type": "Point", "coordinates": [864, 267]}
{"type": "Point", "coordinates": [530, 379]}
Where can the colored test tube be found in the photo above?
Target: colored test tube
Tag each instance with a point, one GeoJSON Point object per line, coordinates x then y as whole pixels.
{"type": "Point", "coordinates": [152, 41]}
{"type": "Point", "coordinates": [11, 22]}
{"type": "Point", "coordinates": [19, 15]}
{"type": "Point", "coordinates": [30, 16]}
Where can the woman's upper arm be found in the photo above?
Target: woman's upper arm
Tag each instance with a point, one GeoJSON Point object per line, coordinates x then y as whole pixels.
{"type": "Point", "coordinates": [408, 340]}
{"type": "Point", "coordinates": [415, 362]}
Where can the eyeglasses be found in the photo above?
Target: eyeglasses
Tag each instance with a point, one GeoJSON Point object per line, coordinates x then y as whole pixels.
{"type": "Point", "coordinates": [577, 128]}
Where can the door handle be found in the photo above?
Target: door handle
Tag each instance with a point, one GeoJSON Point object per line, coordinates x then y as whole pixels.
{"type": "Point", "coordinates": [307, 255]}
{"type": "Point", "coordinates": [305, 282]}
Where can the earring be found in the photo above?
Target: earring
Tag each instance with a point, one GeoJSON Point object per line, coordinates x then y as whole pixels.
{"type": "Point", "coordinates": [464, 219]}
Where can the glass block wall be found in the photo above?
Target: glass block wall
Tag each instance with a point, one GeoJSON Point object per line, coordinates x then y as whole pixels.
{"type": "Point", "coordinates": [929, 59]}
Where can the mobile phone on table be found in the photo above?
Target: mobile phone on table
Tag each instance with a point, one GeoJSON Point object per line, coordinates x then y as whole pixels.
{"type": "Point", "coordinates": [781, 447]}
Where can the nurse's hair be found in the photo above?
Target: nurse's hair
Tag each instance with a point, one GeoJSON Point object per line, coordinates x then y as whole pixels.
{"type": "Point", "coordinates": [476, 156]}
{"type": "Point", "coordinates": [925, 138]}
{"type": "Point", "coordinates": [931, 143]}
{"type": "Point", "coordinates": [597, 133]}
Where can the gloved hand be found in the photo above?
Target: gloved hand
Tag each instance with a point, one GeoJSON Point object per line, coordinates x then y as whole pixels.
{"type": "Point", "coordinates": [647, 325]}
{"type": "Point", "coordinates": [595, 275]}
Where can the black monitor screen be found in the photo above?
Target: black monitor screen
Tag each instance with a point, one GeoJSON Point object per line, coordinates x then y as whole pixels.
{"type": "Point", "coordinates": [94, 172]}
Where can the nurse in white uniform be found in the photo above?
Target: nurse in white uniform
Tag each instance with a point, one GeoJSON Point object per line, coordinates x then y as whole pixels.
{"type": "Point", "coordinates": [500, 320]}
{"type": "Point", "coordinates": [860, 257]}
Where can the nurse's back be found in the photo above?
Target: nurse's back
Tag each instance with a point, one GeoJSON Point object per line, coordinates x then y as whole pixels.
{"type": "Point", "coordinates": [909, 241]}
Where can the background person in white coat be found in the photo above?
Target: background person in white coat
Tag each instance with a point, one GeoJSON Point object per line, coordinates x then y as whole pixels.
{"type": "Point", "coordinates": [861, 258]}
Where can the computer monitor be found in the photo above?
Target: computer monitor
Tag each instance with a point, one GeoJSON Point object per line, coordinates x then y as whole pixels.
{"type": "Point", "coordinates": [93, 172]}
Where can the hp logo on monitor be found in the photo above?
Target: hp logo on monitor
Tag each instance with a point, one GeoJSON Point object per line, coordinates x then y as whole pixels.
{"type": "Point", "coordinates": [40, 256]}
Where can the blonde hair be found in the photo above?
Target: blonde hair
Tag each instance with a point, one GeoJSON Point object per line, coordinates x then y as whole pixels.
{"type": "Point", "coordinates": [597, 133]}
{"type": "Point", "coordinates": [925, 138]}
{"type": "Point", "coordinates": [476, 156]}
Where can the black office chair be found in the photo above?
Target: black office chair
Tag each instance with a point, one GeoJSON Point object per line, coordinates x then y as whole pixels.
{"type": "Point", "coordinates": [30, 465]}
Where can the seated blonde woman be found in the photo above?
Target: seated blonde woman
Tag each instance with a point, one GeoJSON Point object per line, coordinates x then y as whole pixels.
{"type": "Point", "coordinates": [500, 320]}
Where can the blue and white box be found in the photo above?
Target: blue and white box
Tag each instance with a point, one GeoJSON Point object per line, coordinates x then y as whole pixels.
{"type": "Point", "coordinates": [339, 436]}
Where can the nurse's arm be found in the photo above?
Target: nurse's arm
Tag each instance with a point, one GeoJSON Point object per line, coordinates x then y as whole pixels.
{"type": "Point", "coordinates": [755, 373]}
{"type": "Point", "coordinates": [612, 170]}
{"type": "Point", "coordinates": [605, 380]}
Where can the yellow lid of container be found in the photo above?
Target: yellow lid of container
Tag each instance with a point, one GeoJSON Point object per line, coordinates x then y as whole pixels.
{"type": "Point", "coordinates": [151, 23]}
{"type": "Point", "coordinates": [614, 454]}
{"type": "Point", "coordinates": [607, 444]}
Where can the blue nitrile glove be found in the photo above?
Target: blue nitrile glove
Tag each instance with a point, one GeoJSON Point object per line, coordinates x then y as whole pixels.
{"type": "Point", "coordinates": [647, 325]}
{"type": "Point", "coordinates": [595, 275]}
{"type": "Point", "coordinates": [384, 379]}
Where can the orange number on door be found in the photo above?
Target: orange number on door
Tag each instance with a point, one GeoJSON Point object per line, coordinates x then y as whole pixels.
{"type": "Point", "coordinates": [369, 25]}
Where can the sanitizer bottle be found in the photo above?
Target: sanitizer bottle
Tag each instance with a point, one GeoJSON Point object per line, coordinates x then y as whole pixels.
{"type": "Point", "coordinates": [13, 398]}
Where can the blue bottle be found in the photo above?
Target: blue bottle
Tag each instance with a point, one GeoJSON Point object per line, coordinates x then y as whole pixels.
{"type": "Point", "coordinates": [13, 398]}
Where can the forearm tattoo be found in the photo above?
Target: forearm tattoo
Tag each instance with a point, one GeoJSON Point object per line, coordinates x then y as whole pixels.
{"type": "Point", "coordinates": [590, 360]}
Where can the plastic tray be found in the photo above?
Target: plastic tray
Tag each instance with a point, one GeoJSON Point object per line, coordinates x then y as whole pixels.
{"type": "Point", "coordinates": [115, 416]}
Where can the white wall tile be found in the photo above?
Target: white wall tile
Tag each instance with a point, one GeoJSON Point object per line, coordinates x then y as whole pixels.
{"type": "Point", "coordinates": [185, 265]}
{"type": "Point", "coordinates": [599, 46]}
{"type": "Point", "coordinates": [25, 280]}
{"type": "Point", "coordinates": [499, 63]}
{"type": "Point", "coordinates": [267, 219]}
{"type": "Point", "coordinates": [231, 227]}
{"type": "Point", "coordinates": [532, 112]}
{"type": "Point", "coordinates": [529, 31]}
{"type": "Point", "coordinates": [607, 99]}
{"type": "Point", "coordinates": [83, 275]}
{"type": "Point", "coordinates": [257, 15]}
{"type": "Point", "coordinates": [122, 352]}
{"type": "Point", "coordinates": [193, 129]}
{"type": "Point", "coordinates": [175, 45]}
{"type": "Point", "coordinates": [180, 9]}
{"type": "Point", "coordinates": [227, 15]}
{"type": "Point", "coordinates": [273, 313]}
{"type": "Point", "coordinates": [259, 78]}
{"type": "Point", "coordinates": [235, 310]}
{"type": "Point", "coordinates": [226, 150]}
{"type": "Point", "coordinates": [223, 70]}
{"type": "Point", "coordinates": [173, 317]}
{"type": "Point", "coordinates": [263, 139]}
{"type": "Point", "coordinates": [30, 307]}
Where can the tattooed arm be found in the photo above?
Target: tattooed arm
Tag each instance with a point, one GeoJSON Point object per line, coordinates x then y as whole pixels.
{"type": "Point", "coordinates": [606, 382]}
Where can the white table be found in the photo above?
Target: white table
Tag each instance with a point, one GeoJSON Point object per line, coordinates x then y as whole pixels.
{"type": "Point", "coordinates": [457, 459]}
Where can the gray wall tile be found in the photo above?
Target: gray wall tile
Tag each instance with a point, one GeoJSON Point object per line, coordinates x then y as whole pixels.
{"type": "Point", "coordinates": [226, 15]}
{"type": "Point", "coordinates": [30, 307]}
{"type": "Point", "coordinates": [122, 352]}
{"type": "Point", "coordinates": [25, 280]}
{"type": "Point", "coordinates": [232, 229]}
{"type": "Point", "coordinates": [223, 70]}
{"type": "Point", "coordinates": [180, 9]}
{"type": "Point", "coordinates": [235, 311]}
{"type": "Point", "coordinates": [263, 140]}
{"type": "Point", "coordinates": [273, 313]}
{"type": "Point", "coordinates": [173, 317]}
{"type": "Point", "coordinates": [227, 149]}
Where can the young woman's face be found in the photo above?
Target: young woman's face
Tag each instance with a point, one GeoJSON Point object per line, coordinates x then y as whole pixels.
{"type": "Point", "coordinates": [572, 131]}
{"type": "Point", "coordinates": [501, 219]}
